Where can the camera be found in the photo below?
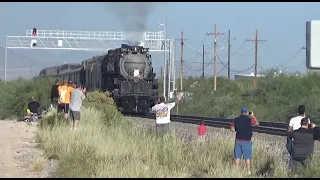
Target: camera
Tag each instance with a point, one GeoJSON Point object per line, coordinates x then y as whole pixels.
{"type": "Point", "coordinates": [250, 112]}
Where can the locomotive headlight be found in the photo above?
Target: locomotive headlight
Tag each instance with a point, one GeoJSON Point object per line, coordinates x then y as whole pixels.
{"type": "Point", "coordinates": [136, 73]}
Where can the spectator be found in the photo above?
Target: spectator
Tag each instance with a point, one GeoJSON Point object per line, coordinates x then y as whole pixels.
{"type": "Point", "coordinates": [243, 144]}
{"type": "Point", "coordinates": [294, 124]}
{"type": "Point", "coordinates": [64, 98]}
{"type": "Point", "coordinates": [54, 93]}
{"type": "Point", "coordinates": [77, 96]}
{"type": "Point", "coordinates": [303, 143]}
{"type": "Point", "coordinates": [202, 132]}
{"type": "Point", "coordinates": [163, 115]}
{"type": "Point", "coordinates": [71, 84]}
{"type": "Point", "coordinates": [34, 106]}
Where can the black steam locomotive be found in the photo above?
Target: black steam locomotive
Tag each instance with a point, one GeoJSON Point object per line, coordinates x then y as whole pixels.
{"type": "Point", "coordinates": [126, 72]}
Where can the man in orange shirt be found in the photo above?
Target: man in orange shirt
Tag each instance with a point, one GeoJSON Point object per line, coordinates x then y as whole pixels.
{"type": "Point", "coordinates": [64, 97]}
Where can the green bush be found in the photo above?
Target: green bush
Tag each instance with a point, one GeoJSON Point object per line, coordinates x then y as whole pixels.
{"type": "Point", "coordinates": [275, 98]}
{"type": "Point", "coordinates": [16, 94]}
{"type": "Point", "coordinates": [103, 103]}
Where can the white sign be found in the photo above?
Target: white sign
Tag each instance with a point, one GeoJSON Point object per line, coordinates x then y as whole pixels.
{"type": "Point", "coordinates": [59, 43]}
{"type": "Point", "coordinates": [313, 44]}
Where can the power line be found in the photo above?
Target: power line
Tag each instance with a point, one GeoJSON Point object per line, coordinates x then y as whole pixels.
{"type": "Point", "coordinates": [247, 53]}
{"type": "Point", "coordinates": [292, 67]}
{"type": "Point", "coordinates": [238, 71]}
{"type": "Point", "coordinates": [196, 70]}
{"type": "Point", "coordinates": [241, 46]}
{"type": "Point", "coordinates": [256, 41]}
{"type": "Point", "coordinates": [297, 53]}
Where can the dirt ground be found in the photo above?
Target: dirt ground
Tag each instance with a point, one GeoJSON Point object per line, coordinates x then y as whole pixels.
{"type": "Point", "coordinates": [20, 156]}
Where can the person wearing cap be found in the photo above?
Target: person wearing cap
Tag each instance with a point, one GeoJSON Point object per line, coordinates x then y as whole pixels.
{"type": "Point", "coordinates": [243, 144]}
{"type": "Point", "coordinates": [77, 96]}
{"type": "Point", "coordinates": [303, 143]}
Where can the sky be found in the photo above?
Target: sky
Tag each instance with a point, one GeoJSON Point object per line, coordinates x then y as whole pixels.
{"type": "Point", "coordinates": [281, 24]}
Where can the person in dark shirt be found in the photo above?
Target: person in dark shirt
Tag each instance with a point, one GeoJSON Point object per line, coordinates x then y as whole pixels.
{"type": "Point", "coordinates": [34, 106]}
{"type": "Point", "coordinates": [243, 144]}
{"type": "Point", "coordinates": [54, 92]}
{"type": "Point", "coordinates": [303, 143]}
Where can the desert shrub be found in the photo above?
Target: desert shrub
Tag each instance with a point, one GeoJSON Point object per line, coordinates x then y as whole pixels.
{"type": "Point", "coordinates": [275, 98]}
{"type": "Point", "coordinates": [16, 94]}
{"type": "Point", "coordinates": [103, 103]}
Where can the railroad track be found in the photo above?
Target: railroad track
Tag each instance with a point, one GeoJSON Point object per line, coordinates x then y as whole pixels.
{"type": "Point", "coordinates": [272, 128]}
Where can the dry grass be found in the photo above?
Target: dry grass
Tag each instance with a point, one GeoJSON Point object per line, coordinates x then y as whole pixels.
{"type": "Point", "coordinates": [39, 165]}
{"type": "Point", "coordinates": [126, 150]}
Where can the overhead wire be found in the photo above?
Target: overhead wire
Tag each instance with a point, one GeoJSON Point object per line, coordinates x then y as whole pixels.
{"type": "Point", "coordinates": [247, 53]}
{"type": "Point", "coordinates": [207, 64]}
{"type": "Point", "coordinates": [241, 45]}
{"type": "Point", "coordinates": [297, 53]}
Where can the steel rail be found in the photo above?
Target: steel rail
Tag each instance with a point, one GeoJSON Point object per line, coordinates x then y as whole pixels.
{"type": "Point", "coordinates": [272, 128]}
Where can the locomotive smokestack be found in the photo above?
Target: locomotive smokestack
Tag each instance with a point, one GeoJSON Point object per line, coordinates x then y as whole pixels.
{"type": "Point", "coordinates": [133, 17]}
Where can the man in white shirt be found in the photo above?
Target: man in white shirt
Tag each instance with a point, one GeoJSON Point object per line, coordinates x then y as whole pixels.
{"type": "Point", "coordinates": [294, 124]}
{"type": "Point", "coordinates": [162, 110]}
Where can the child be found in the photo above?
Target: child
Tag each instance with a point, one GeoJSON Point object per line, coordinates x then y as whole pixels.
{"type": "Point", "coordinates": [202, 132]}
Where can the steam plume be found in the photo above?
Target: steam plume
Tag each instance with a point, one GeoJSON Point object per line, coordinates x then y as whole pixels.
{"type": "Point", "coordinates": [133, 17]}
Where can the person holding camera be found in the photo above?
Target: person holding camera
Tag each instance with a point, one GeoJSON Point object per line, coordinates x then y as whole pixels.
{"type": "Point", "coordinates": [76, 98]}
{"type": "Point", "coordinates": [303, 142]}
{"type": "Point", "coordinates": [242, 125]}
{"type": "Point", "coordinates": [294, 124]}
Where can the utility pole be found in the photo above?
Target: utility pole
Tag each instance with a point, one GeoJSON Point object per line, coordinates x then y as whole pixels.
{"type": "Point", "coordinates": [229, 54]}
{"type": "Point", "coordinates": [256, 41]}
{"type": "Point", "coordinates": [202, 62]}
{"type": "Point", "coordinates": [165, 53]}
{"type": "Point", "coordinates": [181, 63]}
{"type": "Point", "coordinates": [215, 33]}
{"type": "Point", "coordinates": [181, 40]}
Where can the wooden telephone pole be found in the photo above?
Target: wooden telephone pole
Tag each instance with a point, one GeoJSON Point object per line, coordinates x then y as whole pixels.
{"type": "Point", "coordinates": [256, 41]}
{"type": "Point", "coordinates": [229, 46]}
{"type": "Point", "coordinates": [181, 62]}
{"type": "Point", "coordinates": [215, 33]}
{"type": "Point", "coordinates": [229, 53]}
{"type": "Point", "coordinates": [202, 76]}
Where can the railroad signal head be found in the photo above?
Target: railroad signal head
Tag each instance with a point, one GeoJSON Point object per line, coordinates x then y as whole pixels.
{"type": "Point", "coordinates": [34, 31]}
